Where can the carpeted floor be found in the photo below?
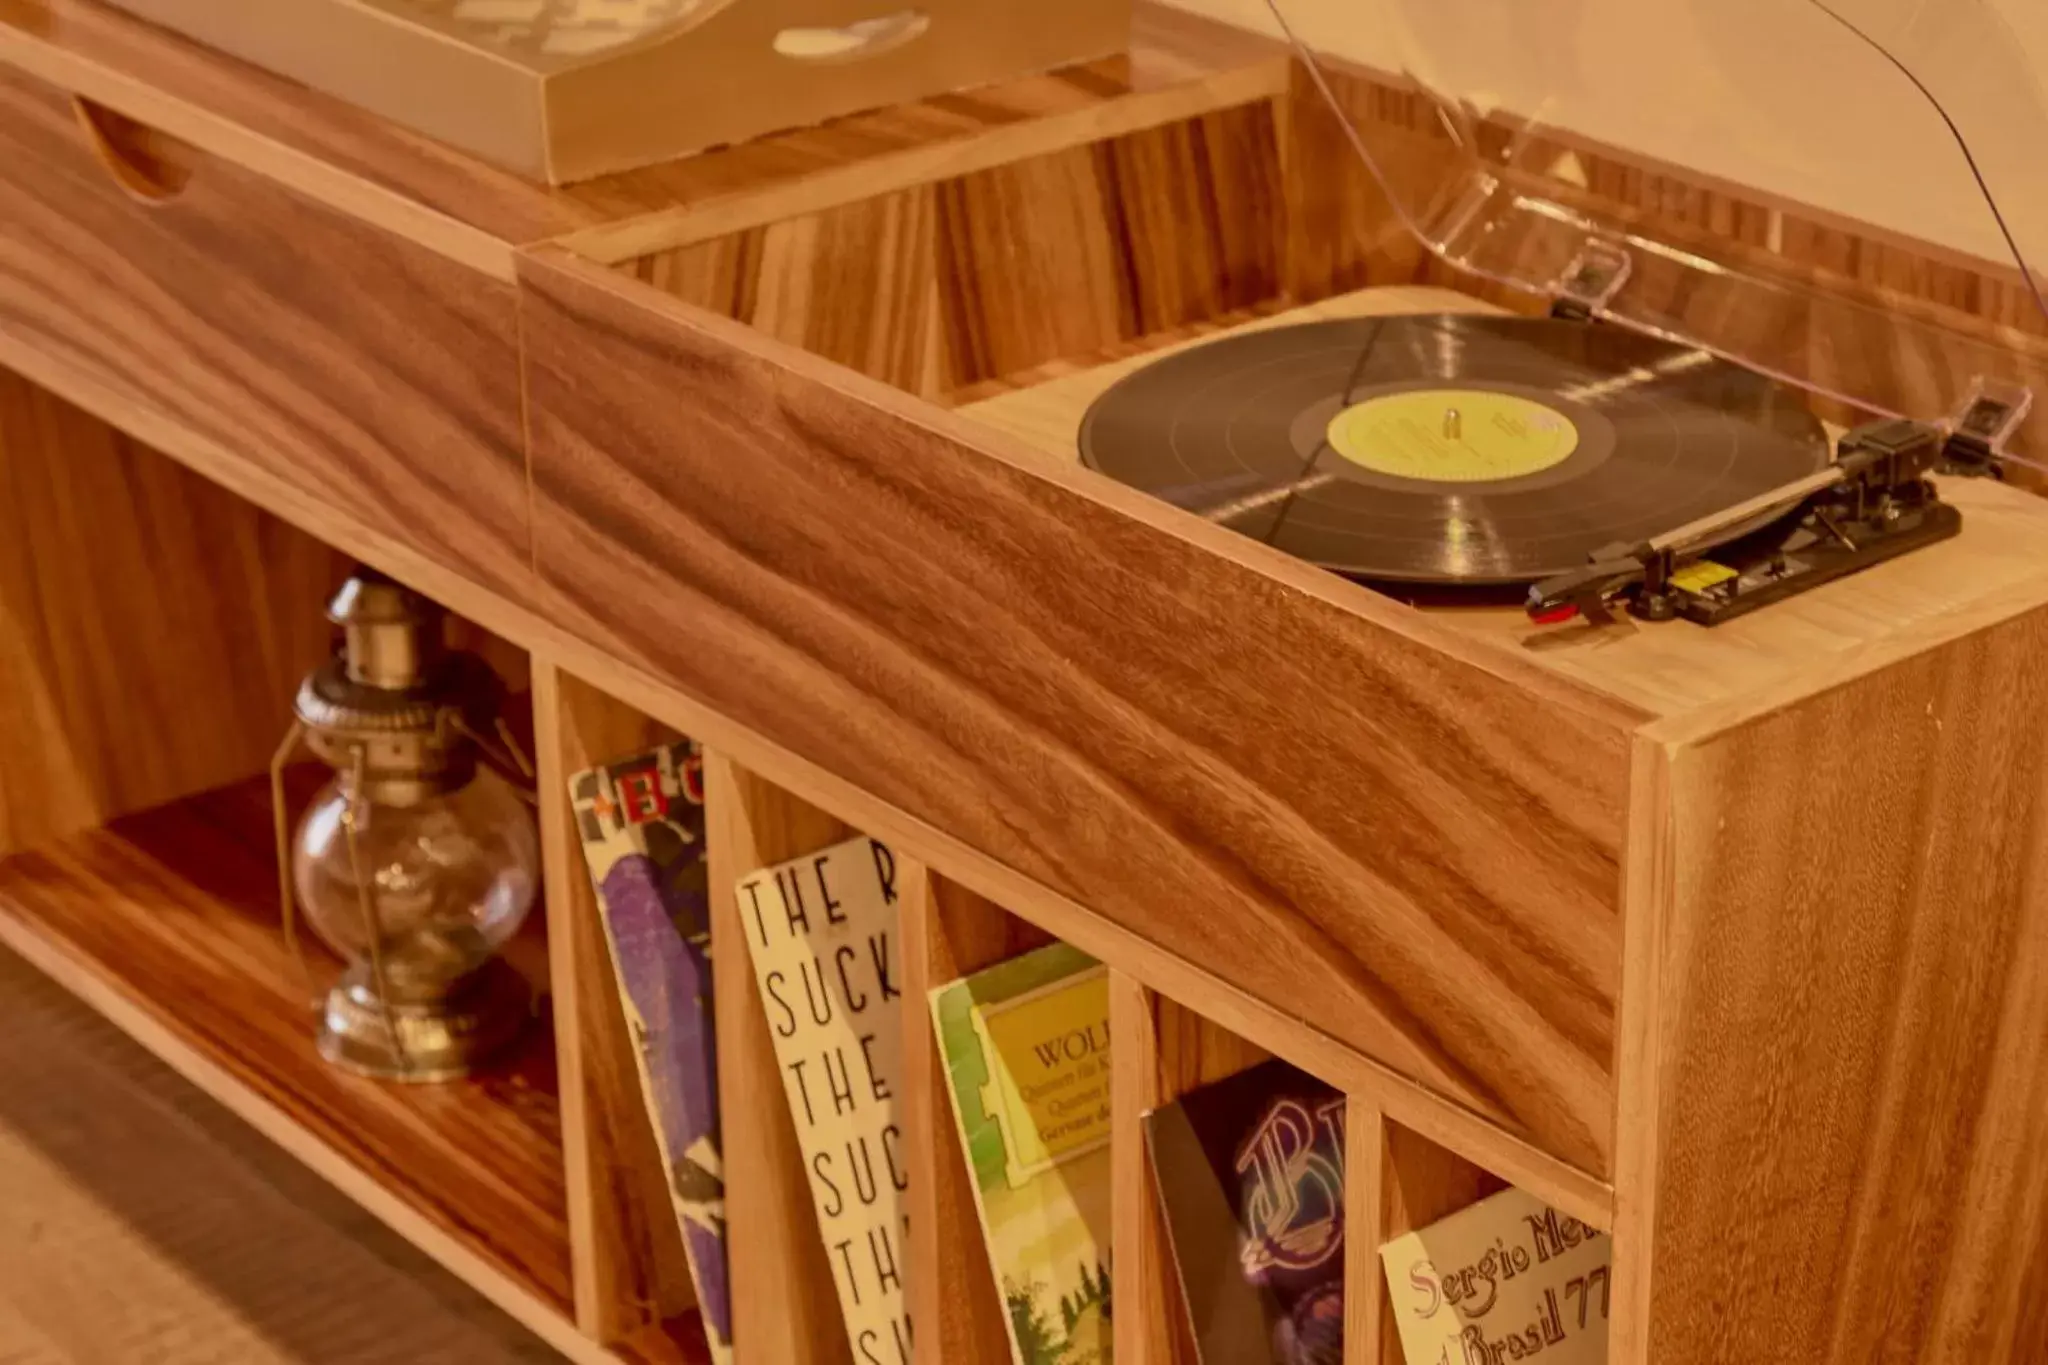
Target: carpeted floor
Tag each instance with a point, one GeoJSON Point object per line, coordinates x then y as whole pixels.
{"type": "Point", "coordinates": [140, 1224]}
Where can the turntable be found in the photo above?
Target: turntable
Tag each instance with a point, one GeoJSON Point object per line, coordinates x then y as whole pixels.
{"type": "Point", "coordinates": [1694, 427]}
{"type": "Point", "coordinates": [1998, 546]}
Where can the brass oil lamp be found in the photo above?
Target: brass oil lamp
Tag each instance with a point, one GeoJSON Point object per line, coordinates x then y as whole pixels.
{"type": "Point", "coordinates": [418, 860]}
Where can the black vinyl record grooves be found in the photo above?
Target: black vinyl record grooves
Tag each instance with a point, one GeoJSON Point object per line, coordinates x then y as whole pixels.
{"type": "Point", "coordinates": [1452, 448]}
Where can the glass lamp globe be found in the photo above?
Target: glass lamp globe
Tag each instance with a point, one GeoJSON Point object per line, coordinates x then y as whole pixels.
{"type": "Point", "coordinates": [452, 876]}
{"type": "Point", "coordinates": [417, 862]}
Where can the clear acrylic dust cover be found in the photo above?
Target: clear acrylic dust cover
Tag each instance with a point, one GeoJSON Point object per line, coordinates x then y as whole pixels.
{"type": "Point", "coordinates": [1847, 195]}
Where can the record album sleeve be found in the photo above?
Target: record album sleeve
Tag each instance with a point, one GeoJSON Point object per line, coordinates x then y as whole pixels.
{"type": "Point", "coordinates": [822, 932]}
{"type": "Point", "coordinates": [1027, 1051]}
{"type": "Point", "coordinates": [1249, 1172]}
{"type": "Point", "coordinates": [1507, 1278]}
{"type": "Point", "coordinates": [641, 822]}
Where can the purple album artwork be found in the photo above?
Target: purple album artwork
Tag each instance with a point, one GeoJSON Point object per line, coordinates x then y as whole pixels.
{"type": "Point", "coordinates": [642, 825]}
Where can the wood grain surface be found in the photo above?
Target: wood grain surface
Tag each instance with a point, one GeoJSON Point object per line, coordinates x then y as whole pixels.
{"type": "Point", "coordinates": [153, 627]}
{"type": "Point", "coordinates": [948, 933]}
{"type": "Point", "coordinates": [785, 1303]}
{"type": "Point", "coordinates": [1342, 231]}
{"type": "Point", "coordinates": [242, 310]}
{"type": "Point", "coordinates": [943, 286]}
{"type": "Point", "coordinates": [1242, 760]}
{"type": "Point", "coordinates": [1836, 1053]}
{"type": "Point", "coordinates": [674, 1341]}
{"type": "Point", "coordinates": [1094, 246]}
{"type": "Point", "coordinates": [1158, 1052]}
{"type": "Point", "coordinates": [854, 284]}
{"type": "Point", "coordinates": [175, 909]}
{"type": "Point", "coordinates": [626, 1249]}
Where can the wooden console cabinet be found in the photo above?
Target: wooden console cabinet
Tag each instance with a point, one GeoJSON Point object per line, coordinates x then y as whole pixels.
{"type": "Point", "coordinates": [1735, 944]}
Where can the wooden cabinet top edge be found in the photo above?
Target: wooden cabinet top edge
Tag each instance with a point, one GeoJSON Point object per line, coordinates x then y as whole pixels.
{"type": "Point", "coordinates": [1703, 724]}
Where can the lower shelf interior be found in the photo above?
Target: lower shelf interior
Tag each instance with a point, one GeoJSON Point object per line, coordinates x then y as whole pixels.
{"type": "Point", "coordinates": [172, 915]}
{"type": "Point", "coordinates": [678, 1341]}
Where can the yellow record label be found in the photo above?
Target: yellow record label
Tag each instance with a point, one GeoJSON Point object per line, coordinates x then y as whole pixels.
{"type": "Point", "coordinates": [1453, 435]}
{"type": "Point", "coordinates": [1700, 575]}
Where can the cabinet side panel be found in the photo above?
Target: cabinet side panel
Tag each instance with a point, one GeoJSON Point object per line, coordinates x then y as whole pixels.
{"type": "Point", "coordinates": [1838, 1092]}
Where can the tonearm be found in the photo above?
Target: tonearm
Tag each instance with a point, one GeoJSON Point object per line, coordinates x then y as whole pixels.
{"type": "Point", "coordinates": [1874, 502]}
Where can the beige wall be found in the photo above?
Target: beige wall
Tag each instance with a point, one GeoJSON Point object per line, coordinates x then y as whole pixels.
{"type": "Point", "coordinates": [1767, 93]}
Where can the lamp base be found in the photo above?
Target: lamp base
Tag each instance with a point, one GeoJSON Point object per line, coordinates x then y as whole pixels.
{"type": "Point", "coordinates": [436, 1040]}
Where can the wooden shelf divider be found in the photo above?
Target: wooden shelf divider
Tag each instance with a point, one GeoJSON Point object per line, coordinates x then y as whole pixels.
{"type": "Point", "coordinates": [785, 1304]}
{"type": "Point", "coordinates": [1395, 1182]}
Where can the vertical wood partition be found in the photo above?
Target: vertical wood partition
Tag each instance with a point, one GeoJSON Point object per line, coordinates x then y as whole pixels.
{"type": "Point", "coordinates": [785, 1304]}
{"type": "Point", "coordinates": [948, 932]}
{"type": "Point", "coordinates": [626, 1252]}
{"type": "Point", "coordinates": [1158, 1052]}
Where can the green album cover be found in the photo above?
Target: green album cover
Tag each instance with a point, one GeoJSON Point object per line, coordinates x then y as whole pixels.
{"type": "Point", "coordinates": [1026, 1045]}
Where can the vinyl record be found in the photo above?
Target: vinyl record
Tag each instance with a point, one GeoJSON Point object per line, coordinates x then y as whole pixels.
{"type": "Point", "coordinates": [1451, 448]}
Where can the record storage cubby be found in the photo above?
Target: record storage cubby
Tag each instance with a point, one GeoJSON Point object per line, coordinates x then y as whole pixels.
{"type": "Point", "coordinates": [157, 635]}
{"type": "Point", "coordinates": [163, 575]}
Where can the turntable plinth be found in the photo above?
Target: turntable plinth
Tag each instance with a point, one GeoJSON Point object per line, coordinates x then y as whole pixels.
{"type": "Point", "coordinates": [1832, 950]}
{"type": "Point", "coordinates": [1675, 673]}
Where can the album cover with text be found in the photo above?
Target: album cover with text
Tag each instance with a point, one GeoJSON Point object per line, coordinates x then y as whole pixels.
{"type": "Point", "coordinates": [1026, 1044]}
{"type": "Point", "coordinates": [1250, 1174]}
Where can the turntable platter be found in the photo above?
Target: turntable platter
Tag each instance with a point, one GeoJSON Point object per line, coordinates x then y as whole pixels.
{"type": "Point", "coordinates": [1451, 448]}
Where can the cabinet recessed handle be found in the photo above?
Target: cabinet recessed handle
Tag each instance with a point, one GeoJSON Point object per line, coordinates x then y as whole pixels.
{"type": "Point", "coordinates": [150, 166]}
{"type": "Point", "coordinates": [853, 42]}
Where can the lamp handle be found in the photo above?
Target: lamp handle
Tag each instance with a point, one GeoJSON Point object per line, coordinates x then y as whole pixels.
{"type": "Point", "coordinates": [280, 819]}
